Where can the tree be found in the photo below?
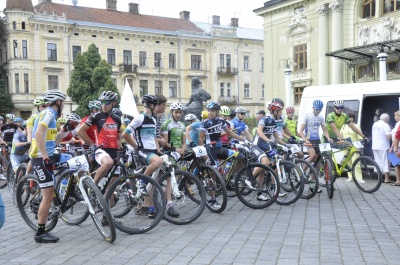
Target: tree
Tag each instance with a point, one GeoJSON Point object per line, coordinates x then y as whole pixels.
{"type": "Point", "coordinates": [91, 76]}
{"type": "Point", "coordinates": [6, 103]}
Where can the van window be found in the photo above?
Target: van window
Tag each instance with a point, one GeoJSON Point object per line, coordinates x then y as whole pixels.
{"type": "Point", "coordinates": [350, 106]}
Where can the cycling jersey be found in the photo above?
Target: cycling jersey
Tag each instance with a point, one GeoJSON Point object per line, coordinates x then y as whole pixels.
{"type": "Point", "coordinates": [175, 131]}
{"type": "Point", "coordinates": [31, 121]}
{"type": "Point", "coordinates": [339, 120]}
{"type": "Point", "coordinates": [213, 129]}
{"type": "Point", "coordinates": [240, 126]}
{"type": "Point", "coordinates": [107, 127]}
{"type": "Point", "coordinates": [280, 125]}
{"type": "Point", "coordinates": [19, 137]}
{"type": "Point", "coordinates": [90, 131]}
{"type": "Point", "coordinates": [194, 133]}
{"type": "Point", "coordinates": [8, 131]}
{"type": "Point", "coordinates": [269, 127]}
{"type": "Point", "coordinates": [144, 128]}
{"type": "Point", "coordinates": [291, 124]}
{"type": "Point", "coordinates": [225, 138]}
{"type": "Point", "coordinates": [312, 123]}
{"type": "Point", "coordinates": [47, 118]}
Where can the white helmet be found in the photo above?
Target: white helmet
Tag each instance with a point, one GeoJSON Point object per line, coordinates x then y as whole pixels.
{"type": "Point", "coordinates": [190, 117]}
{"type": "Point", "coordinates": [10, 116]}
{"type": "Point", "coordinates": [338, 103]}
{"type": "Point", "coordinates": [176, 106]}
{"type": "Point", "coordinates": [53, 96]}
{"type": "Point", "coordinates": [94, 104]}
{"type": "Point", "coordinates": [73, 117]}
{"type": "Point", "coordinates": [240, 109]}
{"type": "Point", "coordinates": [108, 95]}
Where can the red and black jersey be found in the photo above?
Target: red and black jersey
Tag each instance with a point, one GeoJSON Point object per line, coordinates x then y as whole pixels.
{"type": "Point", "coordinates": [106, 129]}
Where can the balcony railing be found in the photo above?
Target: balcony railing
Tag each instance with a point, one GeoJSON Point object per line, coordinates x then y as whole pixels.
{"type": "Point", "coordinates": [228, 100]}
{"type": "Point", "coordinates": [227, 71]}
{"type": "Point", "coordinates": [128, 68]}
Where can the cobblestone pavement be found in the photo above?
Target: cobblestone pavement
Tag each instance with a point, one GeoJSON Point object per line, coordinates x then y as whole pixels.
{"type": "Point", "coordinates": [352, 228]}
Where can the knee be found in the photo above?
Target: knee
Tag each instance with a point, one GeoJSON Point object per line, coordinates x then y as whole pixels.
{"type": "Point", "coordinates": [107, 162]}
{"type": "Point", "coordinates": [157, 161]}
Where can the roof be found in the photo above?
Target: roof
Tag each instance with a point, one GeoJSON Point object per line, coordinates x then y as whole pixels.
{"type": "Point", "coordinates": [272, 2]}
{"type": "Point", "coordinates": [25, 5]}
{"type": "Point", "coordinates": [110, 17]}
{"type": "Point", "coordinates": [241, 33]}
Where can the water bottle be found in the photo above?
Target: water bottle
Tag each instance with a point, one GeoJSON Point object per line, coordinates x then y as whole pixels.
{"type": "Point", "coordinates": [63, 187]}
{"type": "Point", "coordinates": [228, 165]}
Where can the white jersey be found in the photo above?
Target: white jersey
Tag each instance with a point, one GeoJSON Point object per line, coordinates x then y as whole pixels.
{"type": "Point", "coordinates": [312, 123]}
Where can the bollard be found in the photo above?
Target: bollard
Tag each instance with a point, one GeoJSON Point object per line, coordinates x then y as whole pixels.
{"type": "Point", "coordinates": [2, 212]}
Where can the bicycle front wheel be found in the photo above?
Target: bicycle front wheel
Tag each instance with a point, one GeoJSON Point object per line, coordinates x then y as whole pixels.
{"type": "Point", "coordinates": [366, 174]}
{"type": "Point", "coordinates": [311, 179]}
{"type": "Point", "coordinates": [3, 171]}
{"type": "Point", "coordinates": [10, 178]}
{"type": "Point", "coordinates": [329, 178]}
{"type": "Point", "coordinates": [291, 183]}
{"type": "Point", "coordinates": [214, 186]}
{"type": "Point", "coordinates": [101, 216]}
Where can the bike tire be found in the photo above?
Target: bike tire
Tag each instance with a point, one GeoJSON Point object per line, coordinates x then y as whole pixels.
{"type": "Point", "coordinates": [218, 186]}
{"type": "Point", "coordinates": [189, 209]}
{"type": "Point", "coordinates": [3, 171]}
{"type": "Point", "coordinates": [28, 196]}
{"type": "Point", "coordinates": [248, 195]}
{"type": "Point", "coordinates": [329, 178]}
{"type": "Point", "coordinates": [77, 211]}
{"type": "Point", "coordinates": [371, 174]}
{"type": "Point", "coordinates": [311, 179]}
{"type": "Point", "coordinates": [102, 216]}
{"type": "Point", "coordinates": [10, 178]}
{"type": "Point", "coordinates": [320, 171]}
{"type": "Point", "coordinates": [291, 183]}
{"type": "Point", "coordinates": [127, 203]}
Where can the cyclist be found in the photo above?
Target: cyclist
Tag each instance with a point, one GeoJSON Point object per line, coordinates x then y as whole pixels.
{"type": "Point", "coordinates": [40, 105]}
{"type": "Point", "coordinates": [336, 119]}
{"type": "Point", "coordinates": [94, 106]}
{"type": "Point", "coordinates": [173, 130]}
{"type": "Point", "coordinates": [60, 123]}
{"type": "Point", "coordinates": [7, 131]}
{"type": "Point", "coordinates": [69, 132]}
{"type": "Point", "coordinates": [144, 128]}
{"type": "Point", "coordinates": [162, 104]}
{"type": "Point", "coordinates": [291, 123]}
{"type": "Point", "coordinates": [20, 146]}
{"type": "Point", "coordinates": [224, 114]}
{"type": "Point", "coordinates": [18, 121]}
{"type": "Point", "coordinates": [192, 130]}
{"type": "Point", "coordinates": [239, 124]}
{"type": "Point", "coordinates": [41, 154]}
{"type": "Point", "coordinates": [232, 115]}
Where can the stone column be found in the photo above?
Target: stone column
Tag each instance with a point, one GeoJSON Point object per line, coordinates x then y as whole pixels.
{"type": "Point", "coordinates": [323, 42]}
{"type": "Point", "coordinates": [382, 65]}
{"type": "Point", "coordinates": [337, 41]}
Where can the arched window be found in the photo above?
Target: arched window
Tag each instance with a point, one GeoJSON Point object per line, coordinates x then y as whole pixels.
{"type": "Point", "coordinates": [390, 6]}
{"type": "Point", "coordinates": [368, 8]}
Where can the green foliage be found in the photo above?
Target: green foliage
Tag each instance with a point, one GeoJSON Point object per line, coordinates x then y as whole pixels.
{"type": "Point", "coordinates": [91, 76]}
{"type": "Point", "coordinates": [251, 122]}
{"type": "Point", "coordinates": [6, 103]}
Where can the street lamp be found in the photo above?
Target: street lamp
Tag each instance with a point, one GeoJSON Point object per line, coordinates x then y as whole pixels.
{"type": "Point", "coordinates": [288, 72]}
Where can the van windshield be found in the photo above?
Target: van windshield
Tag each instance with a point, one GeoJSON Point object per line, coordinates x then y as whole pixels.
{"type": "Point", "coordinates": [350, 106]}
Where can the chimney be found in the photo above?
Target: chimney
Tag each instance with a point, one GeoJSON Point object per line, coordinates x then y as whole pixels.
{"type": "Point", "coordinates": [234, 22]}
{"type": "Point", "coordinates": [184, 15]}
{"type": "Point", "coordinates": [133, 8]}
{"type": "Point", "coordinates": [215, 20]}
{"type": "Point", "coordinates": [112, 5]}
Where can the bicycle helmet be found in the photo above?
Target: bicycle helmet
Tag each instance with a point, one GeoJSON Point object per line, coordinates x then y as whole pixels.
{"type": "Point", "coordinates": [150, 99]}
{"type": "Point", "coordinates": [73, 117]}
{"type": "Point", "coordinates": [213, 105]}
{"type": "Point", "coordinates": [127, 121]}
{"type": "Point", "coordinates": [204, 114]}
{"type": "Point", "coordinates": [53, 96]}
{"type": "Point", "coordinates": [1, 118]}
{"type": "Point", "coordinates": [275, 106]}
{"type": "Point", "coordinates": [18, 119]}
{"type": "Point", "coordinates": [24, 124]}
{"type": "Point", "coordinates": [176, 106]}
{"type": "Point", "coordinates": [39, 102]}
{"type": "Point", "coordinates": [61, 120]}
{"type": "Point", "coordinates": [116, 112]}
{"type": "Point", "coordinates": [318, 104]}
{"type": "Point", "coordinates": [280, 101]}
{"type": "Point", "coordinates": [233, 114]}
{"type": "Point", "coordinates": [289, 110]}
{"type": "Point", "coordinates": [240, 109]}
{"type": "Point", "coordinates": [10, 116]}
{"type": "Point", "coordinates": [338, 103]}
{"type": "Point", "coordinates": [190, 117]}
{"type": "Point", "coordinates": [94, 104]}
{"type": "Point", "coordinates": [108, 95]}
{"type": "Point", "coordinates": [225, 111]}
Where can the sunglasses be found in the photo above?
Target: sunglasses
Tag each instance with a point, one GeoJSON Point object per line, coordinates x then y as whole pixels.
{"type": "Point", "coordinates": [318, 110]}
{"type": "Point", "coordinates": [242, 113]}
{"type": "Point", "coordinates": [339, 108]}
{"type": "Point", "coordinates": [106, 103]}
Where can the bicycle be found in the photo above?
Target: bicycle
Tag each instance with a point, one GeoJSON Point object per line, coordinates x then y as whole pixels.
{"type": "Point", "coordinates": [4, 163]}
{"type": "Point", "coordinates": [28, 196]}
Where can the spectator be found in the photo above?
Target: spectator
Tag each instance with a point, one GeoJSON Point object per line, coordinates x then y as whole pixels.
{"type": "Point", "coordinates": [381, 135]}
{"type": "Point", "coordinates": [395, 146]}
{"type": "Point", "coordinates": [259, 114]}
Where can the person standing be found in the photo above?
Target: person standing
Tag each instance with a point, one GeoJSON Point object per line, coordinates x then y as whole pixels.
{"type": "Point", "coordinates": [381, 135]}
{"type": "Point", "coordinates": [395, 146]}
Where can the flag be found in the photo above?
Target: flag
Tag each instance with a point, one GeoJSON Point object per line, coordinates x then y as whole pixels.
{"type": "Point", "coordinates": [128, 104]}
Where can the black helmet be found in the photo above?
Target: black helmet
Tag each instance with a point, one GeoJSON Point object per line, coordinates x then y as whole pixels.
{"type": "Point", "coordinates": [280, 101]}
{"type": "Point", "coordinates": [233, 114]}
{"type": "Point", "coordinates": [116, 112]}
{"type": "Point", "coordinates": [150, 99]}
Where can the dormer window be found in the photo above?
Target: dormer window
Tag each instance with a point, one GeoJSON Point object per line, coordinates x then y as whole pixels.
{"type": "Point", "coordinates": [390, 6]}
{"type": "Point", "coordinates": [368, 9]}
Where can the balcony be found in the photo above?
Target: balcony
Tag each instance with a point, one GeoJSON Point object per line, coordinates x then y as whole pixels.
{"type": "Point", "coordinates": [228, 100]}
{"type": "Point", "coordinates": [128, 68]}
{"type": "Point", "coordinates": [227, 71]}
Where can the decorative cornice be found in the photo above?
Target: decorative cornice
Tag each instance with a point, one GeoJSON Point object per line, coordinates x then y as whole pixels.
{"type": "Point", "coordinates": [336, 6]}
{"type": "Point", "coordinates": [322, 10]}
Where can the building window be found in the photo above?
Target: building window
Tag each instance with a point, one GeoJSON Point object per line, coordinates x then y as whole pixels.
{"type": "Point", "coordinates": [17, 83]}
{"type": "Point", "coordinates": [114, 80]}
{"type": "Point", "coordinates": [127, 57]}
{"type": "Point", "coordinates": [196, 62]}
{"type": "Point", "coordinates": [246, 62]}
{"type": "Point", "coordinates": [262, 64]}
{"type": "Point", "coordinates": [228, 61]}
{"type": "Point", "coordinates": [300, 57]}
{"type": "Point", "coordinates": [26, 83]}
{"type": "Point", "coordinates": [246, 92]}
{"type": "Point", "coordinates": [221, 89]}
{"type": "Point", "coordinates": [393, 67]}
{"type": "Point", "coordinates": [172, 59]}
{"type": "Point", "coordinates": [111, 56]}
{"type": "Point", "coordinates": [15, 45]}
{"type": "Point", "coordinates": [157, 59]}
{"type": "Point", "coordinates": [390, 6]}
{"type": "Point", "coordinates": [130, 82]}
{"type": "Point", "coordinates": [75, 51]}
{"type": "Point", "coordinates": [142, 59]}
{"type": "Point", "coordinates": [53, 82]}
{"type": "Point", "coordinates": [51, 52]}
{"type": "Point", "coordinates": [144, 87]}
{"type": "Point", "coordinates": [25, 49]}
{"type": "Point", "coordinates": [365, 71]}
{"type": "Point", "coordinates": [262, 91]}
{"type": "Point", "coordinates": [158, 87]}
{"type": "Point", "coordinates": [221, 60]}
{"type": "Point", "coordinates": [172, 89]}
{"type": "Point", "coordinates": [14, 25]}
{"type": "Point", "coordinates": [369, 8]}
{"type": "Point", "coordinates": [23, 24]}
{"type": "Point", "coordinates": [298, 92]}
{"type": "Point", "coordinates": [228, 90]}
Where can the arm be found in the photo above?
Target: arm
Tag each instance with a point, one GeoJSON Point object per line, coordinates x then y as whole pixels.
{"type": "Point", "coordinates": [129, 139]}
{"type": "Point", "coordinates": [83, 135]}
{"type": "Point", "coordinates": [188, 129]}
{"type": "Point", "coordinates": [325, 132]}
{"type": "Point", "coordinates": [201, 138]}
{"type": "Point", "coordinates": [39, 137]}
{"type": "Point", "coordinates": [261, 134]}
{"type": "Point", "coordinates": [248, 135]}
{"type": "Point", "coordinates": [335, 130]}
{"type": "Point", "coordinates": [301, 132]}
{"type": "Point", "coordinates": [233, 135]}
{"type": "Point", "coordinates": [278, 139]}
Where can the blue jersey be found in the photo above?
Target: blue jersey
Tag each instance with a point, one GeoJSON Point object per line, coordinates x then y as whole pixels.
{"type": "Point", "coordinates": [213, 129]}
{"type": "Point", "coordinates": [239, 126]}
{"type": "Point", "coordinates": [194, 133]}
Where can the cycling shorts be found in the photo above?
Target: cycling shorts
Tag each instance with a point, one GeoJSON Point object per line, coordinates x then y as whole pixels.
{"type": "Point", "coordinates": [258, 151]}
{"type": "Point", "coordinates": [106, 152]}
{"type": "Point", "coordinates": [215, 153]}
{"type": "Point", "coordinates": [145, 155]}
{"type": "Point", "coordinates": [46, 177]}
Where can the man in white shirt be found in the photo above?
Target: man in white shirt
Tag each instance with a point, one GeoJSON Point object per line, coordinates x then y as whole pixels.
{"type": "Point", "coordinates": [381, 135]}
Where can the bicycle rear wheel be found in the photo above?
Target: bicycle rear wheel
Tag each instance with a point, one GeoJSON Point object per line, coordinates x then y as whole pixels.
{"type": "Point", "coordinates": [257, 186]}
{"type": "Point", "coordinates": [368, 175]}
{"type": "Point", "coordinates": [28, 196]}
{"type": "Point", "coordinates": [127, 197]}
{"type": "Point", "coordinates": [3, 171]}
{"type": "Point", "coordinates": [291, 183]}
{"type": "Point", "coordinates": [102, 217]}
{"type": "Point", "coordinates": [311, 179]}
{"type": "Point", "coordinates": [214, 185]}
{"type": "Point", "coordinates": [329, 178]}
{"type": "Point", "coordinates": [10, 178]}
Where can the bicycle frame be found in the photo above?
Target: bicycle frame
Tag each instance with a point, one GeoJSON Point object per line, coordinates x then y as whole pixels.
{"type": "Point", "coordinates": [350, 151]}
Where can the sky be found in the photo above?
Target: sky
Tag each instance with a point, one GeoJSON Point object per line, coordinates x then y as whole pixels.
{"type": "Point", "coordinates": [200, 10]}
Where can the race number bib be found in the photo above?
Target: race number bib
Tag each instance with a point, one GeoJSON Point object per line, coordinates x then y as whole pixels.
{"type": "Point", "coordinates": [78, 163]}
{"type": "Point", "coordinates": [295, 148]}
{"type": "Point", "coordinates": [358, 144]}
{"type": "Point", "coordinates": [199, 151]}
{"type": "Point", "coordinates": [175, 155]}
{"type": "Point", "coordinates": [325, 147]}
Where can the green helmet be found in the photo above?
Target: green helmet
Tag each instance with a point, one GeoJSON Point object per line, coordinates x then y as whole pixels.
{"type": "Point", "coordinates": [61, 120]}
{"type": "Point", "coordinates": [225, 111]}
{"type": "Point", "coordinates": [39, 102]}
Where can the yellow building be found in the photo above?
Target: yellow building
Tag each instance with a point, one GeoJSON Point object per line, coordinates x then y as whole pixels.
{"type": "Point", "coordinates": [156, 55]}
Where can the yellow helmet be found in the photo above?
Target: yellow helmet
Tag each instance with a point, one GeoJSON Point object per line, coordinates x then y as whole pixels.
{"type": "Point", "coordinates": [204, 114]}
{"type": "Point", "coordinates": [61, 120]}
